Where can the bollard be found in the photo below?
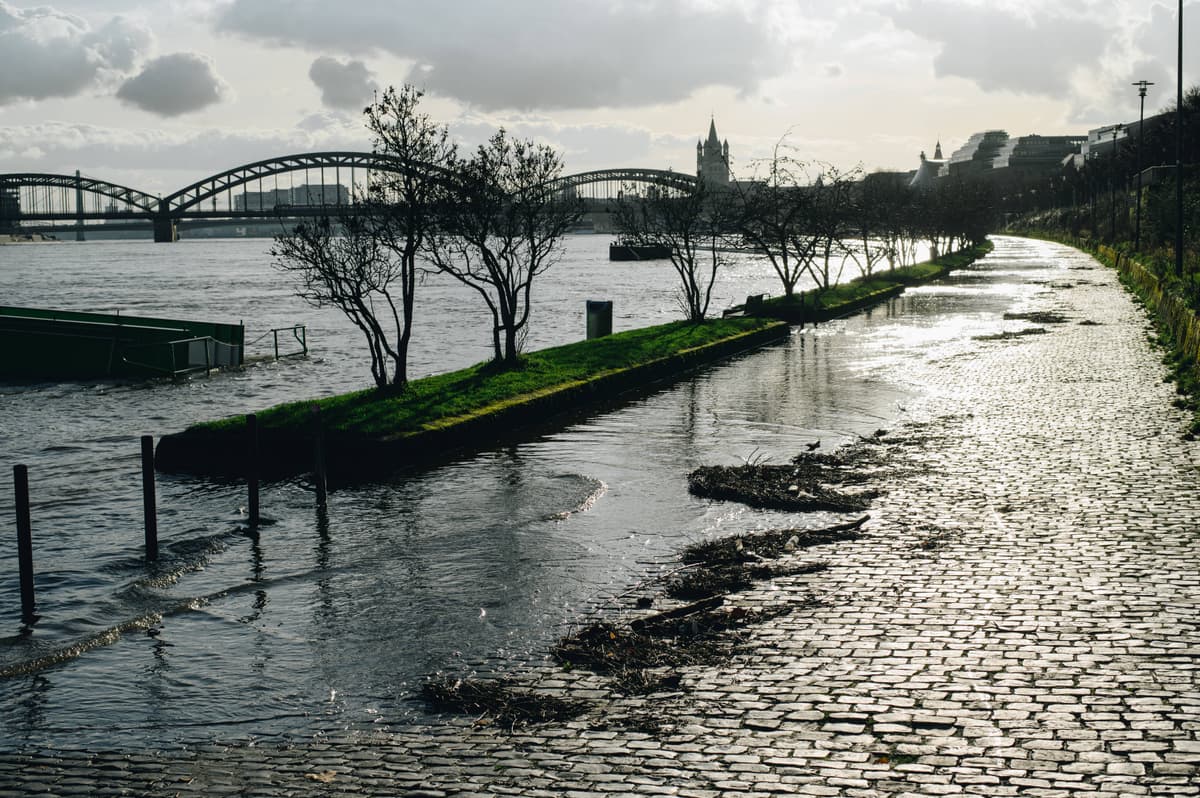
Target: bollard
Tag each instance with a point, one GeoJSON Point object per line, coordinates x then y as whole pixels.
{"type": "Point", "coordinates": [24, 542]}
{"type": "Point", "coordinates": [599, 318]}
{"type": "Point", "coordinates": [149, 503]}
{"type": "Point", "coordinates": [319, 457]}
{"type": "Point", "coordinates": [252, 467]}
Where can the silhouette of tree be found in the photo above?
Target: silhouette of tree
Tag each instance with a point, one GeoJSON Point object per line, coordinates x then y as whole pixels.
{"type": "Point", "coordinates": [501, 228]}
{"type": "Point", "coordinates": [364, 259]}
{"type": "Point", "coordinates": [694, 226]}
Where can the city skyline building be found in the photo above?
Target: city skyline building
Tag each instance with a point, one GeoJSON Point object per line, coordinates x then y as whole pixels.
{"type": "Point", "coordinates": [712, 158]}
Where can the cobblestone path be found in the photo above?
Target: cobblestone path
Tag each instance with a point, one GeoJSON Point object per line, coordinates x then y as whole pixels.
{"type": "Point", "coordinates": [1021, 619]}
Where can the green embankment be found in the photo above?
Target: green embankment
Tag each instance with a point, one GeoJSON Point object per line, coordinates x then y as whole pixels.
{"type": "Point", "coordinates": [861, 292]}
{"type": "Point", "coordinates": [370, 431]}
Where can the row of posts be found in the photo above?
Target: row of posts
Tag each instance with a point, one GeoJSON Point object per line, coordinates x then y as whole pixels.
{"type": "Point", "coordinates": [599, 324]}
{"type": "Point", "coordinates": [150, 502]}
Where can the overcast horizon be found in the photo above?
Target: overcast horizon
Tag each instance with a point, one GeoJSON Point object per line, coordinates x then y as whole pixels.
{"type": "Point", "coordinates": [155, 95]}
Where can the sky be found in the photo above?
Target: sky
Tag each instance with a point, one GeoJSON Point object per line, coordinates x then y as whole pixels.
{"type": "Point", "coordinates": [157, 94]}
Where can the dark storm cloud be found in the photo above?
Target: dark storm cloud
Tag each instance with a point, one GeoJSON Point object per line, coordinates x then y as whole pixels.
{"type": "Point", "coordinates": [1003, 50]}
{"type": "Point", "coordinates": [46, 53]}
{"type": "Point", "coordinates": [347, 85]}
{"type": "Point", "coordinates": [528, 54]}
{"type": "Point", "coordinates": [173, 85]}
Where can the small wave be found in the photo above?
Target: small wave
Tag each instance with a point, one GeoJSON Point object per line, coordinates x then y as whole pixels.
{"type": "Point", "coordinates": [599, 489]}
{"type": "Point", "coordinates": [104, 638]}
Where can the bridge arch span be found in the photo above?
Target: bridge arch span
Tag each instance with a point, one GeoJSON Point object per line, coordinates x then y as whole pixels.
{"type": "Point", "coordinates": [192, 196]}
{"type": "Point", "coordinates": [664, 178]}
{"type": "Point", "coordinates": [132, 197]}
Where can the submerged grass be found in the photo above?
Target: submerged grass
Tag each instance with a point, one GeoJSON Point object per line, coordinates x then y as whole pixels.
{"type": "Point", "coordinates": [849, 294]}
{"type": "Point", "coordinates": [446, 399]}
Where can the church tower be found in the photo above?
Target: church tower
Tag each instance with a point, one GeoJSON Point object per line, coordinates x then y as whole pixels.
{"type": "Point", "coordinates": [712, 158]}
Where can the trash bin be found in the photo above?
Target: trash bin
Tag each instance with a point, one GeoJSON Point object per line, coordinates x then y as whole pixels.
{"type": "Point", "coordinates": [599, 318]}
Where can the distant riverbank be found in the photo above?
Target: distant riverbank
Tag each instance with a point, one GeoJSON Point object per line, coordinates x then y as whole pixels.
{"type": "Point", "coordinates": [26, 238]}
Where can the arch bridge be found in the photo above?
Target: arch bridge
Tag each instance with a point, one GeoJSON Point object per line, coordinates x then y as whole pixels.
{"type": "Point", "coordinates": [265, 189]}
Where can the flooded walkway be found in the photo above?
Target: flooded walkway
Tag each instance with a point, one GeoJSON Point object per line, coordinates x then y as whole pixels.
{"type": "Point", "coordinates": [1022, 616]}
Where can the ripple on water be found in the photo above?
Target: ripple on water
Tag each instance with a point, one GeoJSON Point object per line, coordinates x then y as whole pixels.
{"type": "Point", "coordinates": [328, 619]}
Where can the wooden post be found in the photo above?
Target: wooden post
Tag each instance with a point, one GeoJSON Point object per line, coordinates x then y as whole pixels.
{"type": "Point", "coordinates": [252, 467]}
{"type": "Point", "coordinates": [319, 457]}
{"type": "Point", "coordinates": [149, 501]}
{"type": "Point", "coordinates": [24, 542]}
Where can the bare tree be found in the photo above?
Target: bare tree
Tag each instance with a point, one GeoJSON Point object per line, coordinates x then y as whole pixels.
{"type": "Point", "coordinates": [876, 202]}
{"type": "Point", "coordinates": [826, 228]}
{"type": "Point", "coordinates": [694, 226]}
{"type": "Point", "coordinates": [364, 262]}
{"type": "Point", "coordinates": [771, 211]}
{"type": "Point", "coordinates": [348, 264]}
{"type": "Point", "coordinates": [502, 227]}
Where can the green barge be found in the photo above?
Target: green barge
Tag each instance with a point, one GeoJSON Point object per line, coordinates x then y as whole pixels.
{"type": "Point", "coordinates": [59, 344]}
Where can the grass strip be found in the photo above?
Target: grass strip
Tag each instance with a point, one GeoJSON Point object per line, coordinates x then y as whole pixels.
{"type": "Point", "coordinates": [446, 399]}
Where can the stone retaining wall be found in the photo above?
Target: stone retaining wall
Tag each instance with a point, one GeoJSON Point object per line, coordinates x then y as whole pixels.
{"type": "Point", "coordinates": [1170, 309]}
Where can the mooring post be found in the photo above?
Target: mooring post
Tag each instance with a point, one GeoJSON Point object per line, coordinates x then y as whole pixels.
{"type": "Point", "coordinates": [24, 542]}
{"type": "Point", "coordinates": [252, 467]}
{"type": "Point", "coordinates": [149, 500]}
{"type": "Point", "coordinates": [319, 457]}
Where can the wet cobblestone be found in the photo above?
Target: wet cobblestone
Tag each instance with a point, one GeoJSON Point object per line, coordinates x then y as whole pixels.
{"type": "Point", "coordinates": [1021, 618]}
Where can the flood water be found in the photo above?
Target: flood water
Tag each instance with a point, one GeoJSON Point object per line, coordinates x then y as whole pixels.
{"type": "Point", "coordinates": [329, 621]}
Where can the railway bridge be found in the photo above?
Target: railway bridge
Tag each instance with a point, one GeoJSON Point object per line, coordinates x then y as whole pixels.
{"type": "Point", "coordinates": [266, 189]}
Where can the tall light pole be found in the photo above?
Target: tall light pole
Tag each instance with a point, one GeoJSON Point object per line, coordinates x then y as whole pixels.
{"type": "Point", "coordinates": [1112, 184]}
{"type": "Point", "coordinates": [1179, 152]}
{"type": "Point", "coordinates": [1142, 86]}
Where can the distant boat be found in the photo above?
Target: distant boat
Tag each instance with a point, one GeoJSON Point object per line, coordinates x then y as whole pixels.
{"type": "Point", "coordinates": [625, 250]}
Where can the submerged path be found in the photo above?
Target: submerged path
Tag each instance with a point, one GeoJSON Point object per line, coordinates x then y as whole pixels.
{"type": "Point", "coordinates": [1021, 618]}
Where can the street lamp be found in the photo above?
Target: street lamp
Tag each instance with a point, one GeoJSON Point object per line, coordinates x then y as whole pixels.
{"type": "Point", "coordinates": [1112, 183]}
{"type": "Point", "coordinates": [1179, 152]}
{"type": "Point", "coordinates": [1142, 86]}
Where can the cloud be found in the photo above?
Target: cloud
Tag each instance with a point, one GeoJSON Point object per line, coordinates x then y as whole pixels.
{"type": "Point", "coordinates": [347, 85]}
{"type": "Point", "coordinates": [530, 54]}
{"type": "Point", "coordinates": [174, 84]}
{"type": "Point", "coordinates": [160, 160]}
{"type": "Point", "coordinates": [1028, 51]}
{"type": "Point", "coordinates": [1157, 39]}
{"type": "Point", "coordinates": [47, 53]}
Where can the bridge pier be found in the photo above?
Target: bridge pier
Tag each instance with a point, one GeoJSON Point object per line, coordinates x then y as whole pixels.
{"type": "Point", "coordinates": [79, 207]}
{"type": "Point", "coordinates": [165, 231]}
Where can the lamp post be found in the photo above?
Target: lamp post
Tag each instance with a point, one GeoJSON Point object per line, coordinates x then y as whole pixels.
{"type": "Point", "coordinates": [1142, 85]}
{"type": "Point", "coordinates": [1179, 152]}
{"type": "Point", "coordinates": [1112, 184]}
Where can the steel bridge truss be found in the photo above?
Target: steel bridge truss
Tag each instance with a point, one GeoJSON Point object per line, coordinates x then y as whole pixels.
{"type": "Point", "coordinates": [48, 197]}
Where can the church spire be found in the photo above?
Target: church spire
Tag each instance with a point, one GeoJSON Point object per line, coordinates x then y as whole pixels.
{"type": "Point", "coordinates": [937, 152]}
{"type": "Point", "coordinates": [712, 158]}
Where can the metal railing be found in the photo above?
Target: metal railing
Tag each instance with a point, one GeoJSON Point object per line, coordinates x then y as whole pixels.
{"type": "Point", "coordinates": [201, 353]}
{"type": "Point", "coordinates": [299, 333]}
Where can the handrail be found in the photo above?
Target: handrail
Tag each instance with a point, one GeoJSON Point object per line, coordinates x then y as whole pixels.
{"type": "Point", "coordinates": [209, 342]}
{"type": "Point", "coordinates": [298, 331]}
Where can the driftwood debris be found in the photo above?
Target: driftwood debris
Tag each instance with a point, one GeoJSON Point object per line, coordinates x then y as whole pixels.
{"type": "Point", "coordinates": [769, 544]}
{"type": "Point", "coordinates": [497, 701]}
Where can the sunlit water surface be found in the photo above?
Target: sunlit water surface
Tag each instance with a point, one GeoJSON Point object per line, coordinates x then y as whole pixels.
{"type": "Point", "coordinates": [330, 620]}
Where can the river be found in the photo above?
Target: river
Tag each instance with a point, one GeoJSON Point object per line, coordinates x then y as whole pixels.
{"type": "Point", "coordinates": [329, 621]}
